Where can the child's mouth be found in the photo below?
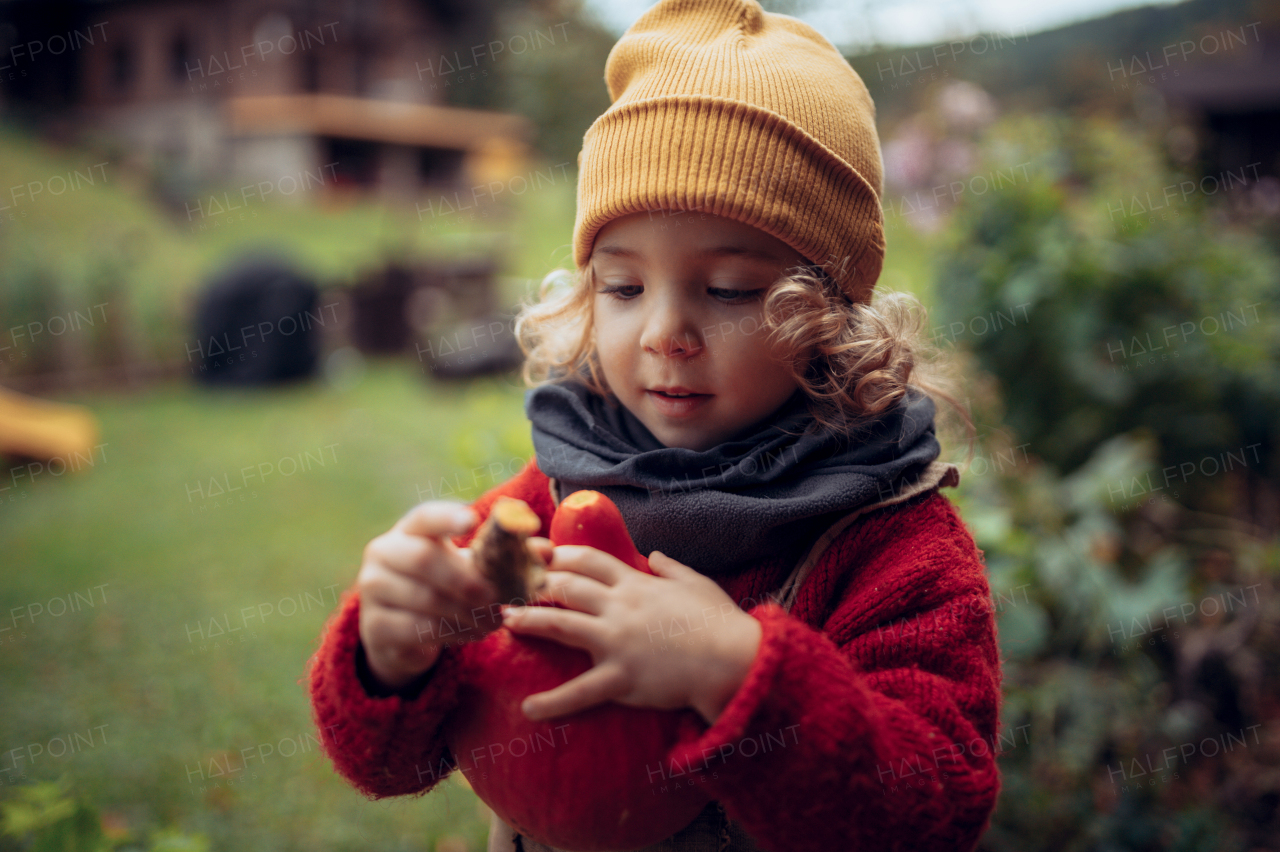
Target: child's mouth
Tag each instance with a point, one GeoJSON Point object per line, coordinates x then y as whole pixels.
{"type": "Point", "coordinates": [677, 404]}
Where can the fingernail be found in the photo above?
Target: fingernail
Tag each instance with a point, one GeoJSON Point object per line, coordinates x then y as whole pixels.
{"type": "Point", "coordinates": [463, 518]}
{"type": "Point", "coordinates": [510, 613]}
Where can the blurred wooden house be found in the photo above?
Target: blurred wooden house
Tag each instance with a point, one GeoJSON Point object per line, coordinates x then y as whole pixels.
{"type": "Point", "coordinates": [1232, 98]}
{"type": "Point", "coordinates": [1229, 94]}
{"type": "Point", "coordinates": [344, 93]}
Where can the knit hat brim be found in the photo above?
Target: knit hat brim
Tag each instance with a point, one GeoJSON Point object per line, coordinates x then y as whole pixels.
{"type": "Point", "coordinates": [736, 160]}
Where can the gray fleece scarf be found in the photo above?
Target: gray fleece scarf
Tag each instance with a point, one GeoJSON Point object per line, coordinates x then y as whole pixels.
{"type": "Point", "coordinates": [758, 496]}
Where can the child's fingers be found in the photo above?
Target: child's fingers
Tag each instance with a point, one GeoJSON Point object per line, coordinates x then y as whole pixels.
{"type": "Point", "coordinates": [436, 630]}
{"type": "Point", "coordinates": [574, 591]}
{"type": "Point", "coordinates": [592, 687]}
{"type": "Point", "coordinates": [390, 630]}
{"type": "Point", "coordinates": [565, 626]}
{"type": "Point", "coordinates": [664, 566]}
{"type": "Point", "coordinates": [541, 546]}
{"type": "Point", "coordinates": [424, 561]}
{"type": "Point", "coordinates": [437, 519]}
{"type": "Point", "coordinates": [455, 575]}
{"type": "Point", "coordinates": [398, 552]}
{"type": "Point", "coordinates": [588, 561]}
{"type": "Point", "coordinates": [392, 589]}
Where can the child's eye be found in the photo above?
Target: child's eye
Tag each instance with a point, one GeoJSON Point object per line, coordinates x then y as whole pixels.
{"type": "Point", "coordinates": [732, 296]}
{"type": "Point", "coordinates": [621, 292]}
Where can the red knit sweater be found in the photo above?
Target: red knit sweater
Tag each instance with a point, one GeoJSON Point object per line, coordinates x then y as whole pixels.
{"type": "Point", "coordinates": [887, 663]}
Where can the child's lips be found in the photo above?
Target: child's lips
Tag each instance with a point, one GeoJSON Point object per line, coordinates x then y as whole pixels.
{"type": "Point", "coordinates": [681, 406]}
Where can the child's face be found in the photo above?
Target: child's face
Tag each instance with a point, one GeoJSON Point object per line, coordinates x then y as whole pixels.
{"type": "Point", "coordinates": [678, 304]}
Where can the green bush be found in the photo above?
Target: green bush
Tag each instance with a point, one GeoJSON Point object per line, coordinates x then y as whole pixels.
{"type": "Point", "coordinates": [49, 817]}
{"type": "Point", "coordinates": [1136, 615]}
{"type": "Point", "coordinates": [1103, 305]}
{"type": "Point", "coordinates": [1120, 649]}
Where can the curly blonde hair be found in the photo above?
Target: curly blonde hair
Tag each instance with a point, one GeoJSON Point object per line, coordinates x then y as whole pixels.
{"type": "Point", "coordinates": [854, 361]}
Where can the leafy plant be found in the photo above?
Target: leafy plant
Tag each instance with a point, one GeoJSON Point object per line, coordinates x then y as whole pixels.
{"type": "Point", "coordinates": [1106, 297]}
{"type": "Point", "coordinates": [47, 817]}
{"type": "Point", "coordinates": [1147, 602]}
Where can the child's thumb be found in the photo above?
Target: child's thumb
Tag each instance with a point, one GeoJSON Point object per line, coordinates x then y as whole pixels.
{"type": "Point", "coordinates": [664, 566]}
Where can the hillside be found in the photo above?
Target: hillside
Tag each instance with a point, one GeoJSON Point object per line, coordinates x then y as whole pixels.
{"type": "Point", "coordinates": [1081, 66]}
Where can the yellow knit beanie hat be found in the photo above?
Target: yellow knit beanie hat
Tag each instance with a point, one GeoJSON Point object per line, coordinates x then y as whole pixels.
{"type": "Point", "coordinates": [721, 107]}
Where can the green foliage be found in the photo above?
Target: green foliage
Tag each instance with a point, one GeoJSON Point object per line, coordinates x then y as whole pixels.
{"type": "Point", "coordinates": [558, 83]}
{"type": "Point", "coordinates": [1097, 644]}
{"type": "Point", "coordinates": [47, 817]}
{"type": "Point", "coordinates": [36, 808]}
{"type": "Point", "coordinates": [1072, 285]}
{"type": "Point", "coordinates": [1104, 303]}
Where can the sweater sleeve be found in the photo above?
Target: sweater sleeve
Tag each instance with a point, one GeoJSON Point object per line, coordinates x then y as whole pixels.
{"type": "Point", "coordinates": [386, 743]}
{"type": "Point", "coordinates": [876, 732]}
{"type": "Point", "coordinates": [391, 742]}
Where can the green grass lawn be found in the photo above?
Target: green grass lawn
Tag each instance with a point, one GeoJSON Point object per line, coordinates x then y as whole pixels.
{"type": "Point", "coordinates": [153, 551]}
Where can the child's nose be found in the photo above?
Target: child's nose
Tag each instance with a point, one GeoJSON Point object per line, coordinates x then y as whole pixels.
{"type": "Point", "coordinates": [671, 333]}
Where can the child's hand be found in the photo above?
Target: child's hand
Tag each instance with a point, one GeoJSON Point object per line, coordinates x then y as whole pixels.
{"type": "Point", "coordinates": [413, 579]}
{"type": "Point", "coordinates": [667, 641]}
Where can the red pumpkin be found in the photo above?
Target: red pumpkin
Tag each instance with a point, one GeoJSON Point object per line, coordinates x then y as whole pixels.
{"type": "Point", "coordinates": [595, 780]}
{"type": "Point", "coordinates": [589, 517]}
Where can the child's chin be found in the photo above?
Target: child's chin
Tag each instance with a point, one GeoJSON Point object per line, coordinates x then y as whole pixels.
{"type": "Point", "coordinates": [684, 440]}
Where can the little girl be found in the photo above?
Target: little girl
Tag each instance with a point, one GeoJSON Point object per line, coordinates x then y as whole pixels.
{"type": "Point", "coordinates": [717, 369]}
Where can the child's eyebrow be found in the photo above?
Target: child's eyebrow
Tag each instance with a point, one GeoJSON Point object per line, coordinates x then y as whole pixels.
{"type": "Point", "coordinates": [617, 251]}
